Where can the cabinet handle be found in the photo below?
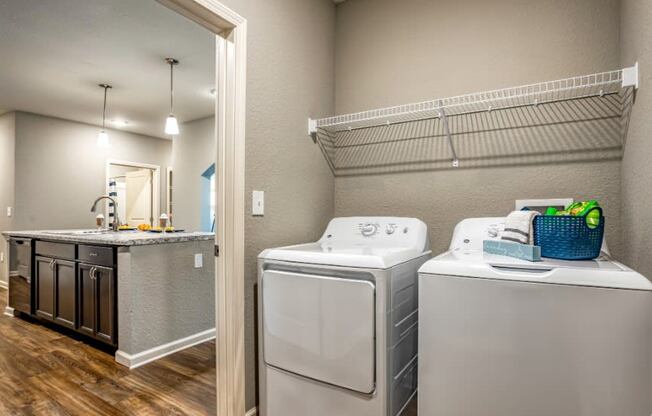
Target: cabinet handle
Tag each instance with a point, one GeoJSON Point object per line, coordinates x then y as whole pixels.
{"type": "Point", "coordinates": [92, 273]}
{"type": "Point", "coordinates": [91, 254]}
{"type": "Point", "coordinates": [52, 263]}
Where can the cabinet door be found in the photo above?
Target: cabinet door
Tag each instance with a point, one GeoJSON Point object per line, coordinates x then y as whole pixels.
{"type": "Point", "coordinates": [105, 301]}
{"type": "Point", "coordinates": [86, 299]}
{"type": "Point", "coordinates": [65, 303]}
{"type": "Point", "coordinates": [97, 314]}
{"type": "Point", "coordinates": [44, 291]}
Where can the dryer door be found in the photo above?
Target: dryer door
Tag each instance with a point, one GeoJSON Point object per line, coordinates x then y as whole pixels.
{"type": "Point", "coordinates": [320, 327]}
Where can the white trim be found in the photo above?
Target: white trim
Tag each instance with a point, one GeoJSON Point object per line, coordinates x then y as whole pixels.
{"type": "Point", "coordinates": [4, 285]}
{"type": "Point", "coordinates": [156, 183]}
{"type": "Point", "coordinates": [168, 190]}
{"type": "Point", "coordinates": [252, 412]}
{"type": "Point", "coordinates": [230, 111]}
{"type": "Point", "coordinates": [153, 354]}
{"type": "Point", "coordinates": [9, 311]}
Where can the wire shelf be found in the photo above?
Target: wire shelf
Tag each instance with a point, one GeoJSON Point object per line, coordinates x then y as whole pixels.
{"type": "Point", "coordinates": [395, 138]}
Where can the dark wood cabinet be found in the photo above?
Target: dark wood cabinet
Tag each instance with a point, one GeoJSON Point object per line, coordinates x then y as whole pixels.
{"type": "Point", "coordinates": [96, 296]}
{"type": "Point", "coordinates": [65, 300]}
{"type": "Point", "coordinates": [55, 290]}
{"type": "Point", "coordinates": [78, 294]}
{"type": "Point", "coordinates": [44, 287]}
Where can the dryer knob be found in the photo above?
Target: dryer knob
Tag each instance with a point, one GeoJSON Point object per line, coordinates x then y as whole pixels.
{"type": "Point", "coordinates": [369, 229]}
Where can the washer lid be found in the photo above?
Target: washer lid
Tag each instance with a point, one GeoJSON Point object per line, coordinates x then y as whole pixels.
{"type": "Point", "coordinates": [343, 254]}
{"type": "Point", "coordinates": [601, 272]}
{"type": "Point", "coordinates": [368, 242]}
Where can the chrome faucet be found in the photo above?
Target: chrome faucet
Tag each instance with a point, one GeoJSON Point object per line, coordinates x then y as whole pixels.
{"type": "Point", "coordinates": [116, 219]}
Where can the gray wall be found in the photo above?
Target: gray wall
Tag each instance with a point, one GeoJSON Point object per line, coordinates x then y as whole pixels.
{"type": "Point", "coordinates": [193, 151]}
{"type": "Point", "coordinates": [7, 151]}
{"type": "Point", "coordinates": [155, 284]}
{"type": "Point", "coordinates": [289, 78]}
{"type": "Point", "coordinates": [60, 170]}
{"type": "Point", "coordinates": [390, 52]}
{"type": "Point", "coordinates": [636, 44]}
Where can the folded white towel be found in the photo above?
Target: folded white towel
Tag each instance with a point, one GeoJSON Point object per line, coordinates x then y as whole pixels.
{"type": "Point", "coordinates": [518, 227]}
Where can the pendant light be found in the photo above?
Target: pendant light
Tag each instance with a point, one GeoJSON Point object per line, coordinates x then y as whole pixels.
{"type": "Point", "coordinates": [171, 124]}
{"type": "Point", "coordinates": [103, 137]}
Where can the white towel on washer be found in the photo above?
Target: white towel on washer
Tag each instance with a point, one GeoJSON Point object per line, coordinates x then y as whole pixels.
{"type": "Point", "coordinates": [518, 227]}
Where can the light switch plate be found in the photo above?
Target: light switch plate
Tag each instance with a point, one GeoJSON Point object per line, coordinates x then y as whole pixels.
{"type": "Point", "coordinates": [2, 257]}
{"type": "Point", "coordinates": [258, 203]}
{"type": "Point", "coordinates": [199, 261]}
{"type": "Point", "coordinates": [8, 211]}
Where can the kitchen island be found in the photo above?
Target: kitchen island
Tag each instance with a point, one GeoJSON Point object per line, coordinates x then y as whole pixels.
{"type": "Point", "coordinates": [145, 294]}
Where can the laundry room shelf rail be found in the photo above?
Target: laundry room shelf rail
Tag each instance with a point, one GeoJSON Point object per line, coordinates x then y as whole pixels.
{"type": "Point", "coordinates": [394, 138]}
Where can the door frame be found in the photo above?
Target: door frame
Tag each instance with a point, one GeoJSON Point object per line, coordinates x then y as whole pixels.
{"type": "Point", "coordinates": [230, 107]}
{"type": "Point", "coordinates": [156, 183]}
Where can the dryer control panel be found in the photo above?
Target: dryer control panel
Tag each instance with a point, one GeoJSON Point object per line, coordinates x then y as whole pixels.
{"type": "Point", "coordinates": [397, 231]}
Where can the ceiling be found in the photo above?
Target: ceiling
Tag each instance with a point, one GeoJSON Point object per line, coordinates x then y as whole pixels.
{"type": "Point", "coordinates": [56, 52]}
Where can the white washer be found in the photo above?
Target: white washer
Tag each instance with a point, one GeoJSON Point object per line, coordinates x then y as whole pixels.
{"type": "Point", "coordinates": [501, 336]}
{"type": "Point", "coordinates": [338, 320]}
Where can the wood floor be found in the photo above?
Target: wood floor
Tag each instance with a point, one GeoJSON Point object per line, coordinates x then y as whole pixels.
{"type": "Point", "coordinates": [43, 372]}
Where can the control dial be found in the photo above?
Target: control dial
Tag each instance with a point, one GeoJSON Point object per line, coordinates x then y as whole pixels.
{"type": "Point", "coordinates": [390, 228]}
{"type": "Point", "coordinates": [369, 229]}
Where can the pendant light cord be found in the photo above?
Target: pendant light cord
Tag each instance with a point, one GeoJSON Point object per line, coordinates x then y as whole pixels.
{"type": "Point", "coordinates": [171, 86]}
{"type": "Point", "coordinates": [106, 88]}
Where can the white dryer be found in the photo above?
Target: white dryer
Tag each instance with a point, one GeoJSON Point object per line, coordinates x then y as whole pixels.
{"type": "Point", "coordinates": [338, 320]}
{"type": "Point", "coordinates": [501, 336]}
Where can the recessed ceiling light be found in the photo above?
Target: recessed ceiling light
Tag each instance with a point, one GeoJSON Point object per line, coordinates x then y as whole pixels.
{"type": "Point", "coordinates": [119, 123]}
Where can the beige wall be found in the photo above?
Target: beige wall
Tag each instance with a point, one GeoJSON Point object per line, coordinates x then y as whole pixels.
{"type": "Point", "coordinates": [60, 170]}
{"type": "Point", "coordinates": [193, 151]}
{"type": "Point", "coordinates": [636, 44]}
{"type": "Point", "coordinates": [392, 52]}
{"type": "Point", "coordinates": [7, 154]}
{"type": "Point", "coordinates": [289, 78]}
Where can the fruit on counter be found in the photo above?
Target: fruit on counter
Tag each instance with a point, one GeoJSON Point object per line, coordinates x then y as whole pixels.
{"type": "Point", "coordinates": [144, 227]}
{"type": "Point", "coordinates": [169, 229]}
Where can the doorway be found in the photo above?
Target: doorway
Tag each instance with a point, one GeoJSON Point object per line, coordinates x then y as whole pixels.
{"type": "Point", "coordinates": [230, 107]}
{"type": "Point", "coordinates": [136, 188]}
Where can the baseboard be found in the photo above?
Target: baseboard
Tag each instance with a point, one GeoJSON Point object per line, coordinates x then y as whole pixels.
{"type": "Point", "coordinates": [4, 285]}
{"type": "Point", "coordinates": [153, 354]}
{"type": "Point", "coordinates": [252, 412]}
{"type": "Point", "coordinates": [9, 311]}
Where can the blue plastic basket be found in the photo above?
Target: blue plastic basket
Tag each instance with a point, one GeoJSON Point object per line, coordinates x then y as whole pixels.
{"type": "Point", "coordinates": [568, 237]}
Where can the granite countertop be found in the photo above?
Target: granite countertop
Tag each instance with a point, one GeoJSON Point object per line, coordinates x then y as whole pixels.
{"type": "Point", "coordinates": [111, 238]}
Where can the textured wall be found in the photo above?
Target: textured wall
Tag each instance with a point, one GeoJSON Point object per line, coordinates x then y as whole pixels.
{"type": "Point", "coordinates": [7, 152]}
{"type": "Point", "coordinates": [161, 296]}
{"type": "Point", "coordinates": [289, 79]}
{"type": "Point", "coordinates": [60, 170]}
{"type": "Point", "coordinates": [390, 52]}
{"type": "Point", "coordinates": [193, 151]}
{"type": "Point", "coordinates": [636, 45]}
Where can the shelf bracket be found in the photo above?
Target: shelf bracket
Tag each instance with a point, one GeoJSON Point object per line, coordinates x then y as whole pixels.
{"type": "Point", "coordinates": [312, 129]}
{"type": "Point", "coordinates": [444, 119]}
{"type": "Point", "coordinates": [630, 76]}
